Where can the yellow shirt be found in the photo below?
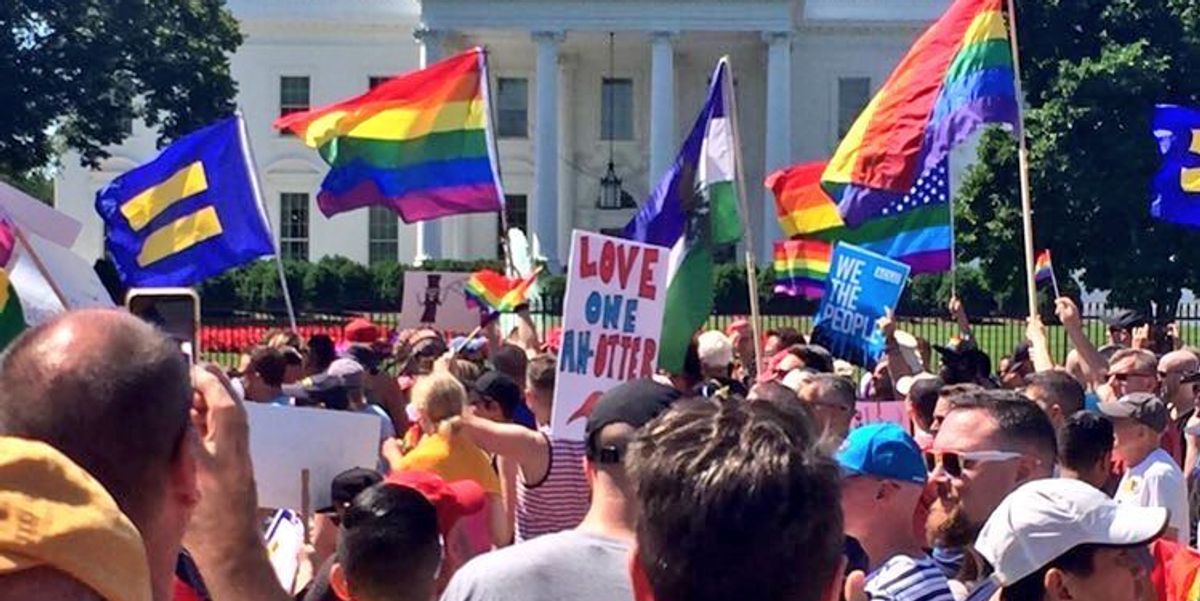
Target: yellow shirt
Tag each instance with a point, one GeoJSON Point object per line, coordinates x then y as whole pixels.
{"type": "Point", "coordinates": [453, 458]}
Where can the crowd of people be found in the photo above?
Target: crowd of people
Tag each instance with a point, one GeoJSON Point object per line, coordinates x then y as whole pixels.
{"type": "Point", "coordinates": [125, 473]}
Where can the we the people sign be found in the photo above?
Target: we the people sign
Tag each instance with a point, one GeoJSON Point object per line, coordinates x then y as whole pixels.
{"type": "Point", "coordinates": [612, 320]}
{"type": "Point", "coordinates": [860, 288]}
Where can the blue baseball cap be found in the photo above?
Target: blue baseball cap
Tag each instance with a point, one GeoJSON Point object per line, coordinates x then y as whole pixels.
{"type": "Point", "coordinates": [882, 450]}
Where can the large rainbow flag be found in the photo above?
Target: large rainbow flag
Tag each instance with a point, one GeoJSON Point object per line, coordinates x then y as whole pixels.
{"type": "Point", "coordinates": [957, 77]}
{"type": "Point", "coordinates": [419, 143]}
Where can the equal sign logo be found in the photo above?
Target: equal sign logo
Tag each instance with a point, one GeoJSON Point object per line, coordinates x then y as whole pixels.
{"type": "Point", "coordinates": [1189, 177]}
{"type": "Point", "coordinates": [180, 234]}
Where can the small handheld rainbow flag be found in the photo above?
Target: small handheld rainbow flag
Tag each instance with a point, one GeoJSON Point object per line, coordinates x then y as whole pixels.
{"type": "Point", "coordinates": [1043, 270]}
{"type": "Point", "coordinates": [494, 293]}
{"type": "Point", "coordinates": [801, 267]}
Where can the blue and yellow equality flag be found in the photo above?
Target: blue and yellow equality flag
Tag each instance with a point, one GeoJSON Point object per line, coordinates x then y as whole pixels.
{"type": "Point", "coordinates": [189, 214]}
{"type": "Point", "coordinates": [1177, 185]}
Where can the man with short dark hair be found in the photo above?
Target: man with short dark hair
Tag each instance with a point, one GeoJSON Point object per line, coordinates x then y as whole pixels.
{"type": "Point", "coordinates": [990, 443]}
{"type": "Point", "coordinates": [1062, 540]}
{"type": "Point", "coordinates": [263, 378]}
{"type": "Point", "coordinates": [780, 339]}
{"type": "Point", "coordinates": [391, 546]}
{"type": "Point", "coordinates": [126, 422]}
{"type": "Point", "coordinates": [832, 401]}
{"type": "Point", "coordinates": [591, 561]}
{"type": "Point", "coordinates": [1085, 448]}
{"type": "Point", "coordinates": [736, 500]}
{"type": "Point", "coordinates": [920, 401]}
{"type": "Point", "coordinates": [1057, 393]}
{"type": "Point", "coordinates": [495, 396]}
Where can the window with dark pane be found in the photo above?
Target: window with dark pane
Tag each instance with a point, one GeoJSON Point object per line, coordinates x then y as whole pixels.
{"type": "Point", "coordinates": [616, 112]}
{"type": "Point", "coordinates": [294, 96]}
{"type": "Point", "coordinates": [512, 102]}
{"type": "Point", "coordinates": [293, 226]}
{"type": "Point", "coordinates": [516, 212]}
{"type": "Point", "coordinates": [383, 235]}
{"type": "Point", "coordinates": [853, 95]}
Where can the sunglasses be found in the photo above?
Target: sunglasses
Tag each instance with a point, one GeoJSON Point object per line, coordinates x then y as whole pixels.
{"type": "Point", "coordinates": [954, 462]}
{"type": "Point", "coordinates": [1125, 376]}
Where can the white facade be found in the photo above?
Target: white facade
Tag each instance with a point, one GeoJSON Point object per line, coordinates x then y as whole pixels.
{"type": "Point", "coordinates": [792, 60]}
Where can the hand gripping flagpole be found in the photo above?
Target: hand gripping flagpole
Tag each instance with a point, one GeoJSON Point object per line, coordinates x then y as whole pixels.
{"type": "Point", "coordinates": [751, 271]}
{"type": "Point", "coordinates": [1023, 162]}
{"type": "Point", "coordinates": [252, 169]}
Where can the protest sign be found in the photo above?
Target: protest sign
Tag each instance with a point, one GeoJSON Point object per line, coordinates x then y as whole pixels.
{"type": "Point", "coordinates": [860, 288]}
{"type": "Point", "coordinates": [434, 299]}
{"type": "Point", "coordinates": [36, 217]}
{"type": "Point", "coordinates": [612, 320]}
{"type": "Point", "coordinates": [284, 441]}
{"type": "Point", "coordinates": [872, 412]}
{"type": "Point", "coordinates": [76, 280]}
{"type": "Point", "coordinates": [285, 542]}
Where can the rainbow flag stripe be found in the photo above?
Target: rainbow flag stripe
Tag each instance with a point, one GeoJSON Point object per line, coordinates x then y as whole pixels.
{"type": "Point", "coordinates": [801, 204]}
{"type": "Point", "coordinates": [495, 293]}
{"type": "Point", "coordinates": [801, 267]}
{"type": "Point", "coordinates": [1043, 270]}
{"type": "Point", "coordinates": [419, 144]}
{"type": "Point", "coordinates": [957, 77]}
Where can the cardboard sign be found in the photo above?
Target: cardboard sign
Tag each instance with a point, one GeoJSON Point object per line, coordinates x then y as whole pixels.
{"type": "Point", "coordinates": [860, 288]}
{"type": "Point", "coordinates": [76, 280]}
{"type": "Point", "coordinates": [434, 299]}
{"type": "Point", "coordinates": [612, 321]}
{"type": "Point", "coordinates": [36, 217]}
{"type": "Point", "coordinates": [286, 440]}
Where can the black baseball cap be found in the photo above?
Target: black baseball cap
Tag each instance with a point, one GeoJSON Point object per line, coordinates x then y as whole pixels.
{"type": "Point", "coordinates": [635, 403]}
{"type": "Point", "coordinates": [347, 485]}
{"type": "Point", "coordinates": [330, 390]}
{"type": "Point", "coordinates": [497, 386]}
{"type": "Point", "coordinates": [1125, 320]}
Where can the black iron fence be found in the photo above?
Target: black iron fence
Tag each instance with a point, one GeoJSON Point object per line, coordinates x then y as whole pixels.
{"type": "Point", "coordinates": [224, 337]}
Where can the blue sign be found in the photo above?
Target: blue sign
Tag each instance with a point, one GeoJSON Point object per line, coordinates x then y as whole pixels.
{"type": "Point", "coordinates": [860, 288]}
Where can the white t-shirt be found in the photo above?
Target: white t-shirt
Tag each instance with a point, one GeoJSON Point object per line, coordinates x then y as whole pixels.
{"type": "Point", "coordinates": [1158, 482]}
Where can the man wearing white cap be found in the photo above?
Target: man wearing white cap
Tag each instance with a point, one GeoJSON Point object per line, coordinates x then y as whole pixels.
{"type": "Point", "coordinates": [1058, 539]}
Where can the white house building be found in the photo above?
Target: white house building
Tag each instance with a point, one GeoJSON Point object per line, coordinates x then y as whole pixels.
{"type": "Point", "coordinates": [803, 69]}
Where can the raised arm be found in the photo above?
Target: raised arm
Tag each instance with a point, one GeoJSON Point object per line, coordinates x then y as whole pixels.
{"type": "Point", "coordinates": [960, 317]}
{"type": "Point", "coordinates": [528, 448]}
{"type": "Point", "coordinates": [1039, 348]}
{"type": "Point", "coordinates": [1095, 368]}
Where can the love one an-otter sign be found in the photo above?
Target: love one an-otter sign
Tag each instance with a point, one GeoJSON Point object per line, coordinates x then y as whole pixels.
{"type": "Point", "coordinates": [860, 288]}
{"type": "Point", "coordinates": [612, 320]}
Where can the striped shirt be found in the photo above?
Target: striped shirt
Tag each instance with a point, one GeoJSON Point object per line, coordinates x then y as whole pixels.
{"type": "Point", "coordinates": [560, 500]}
{"type": "Point", "coordinates": [904, 578]}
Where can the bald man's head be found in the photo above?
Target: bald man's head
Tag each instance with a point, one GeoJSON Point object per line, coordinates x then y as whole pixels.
{"type": "Point", "coordinates": [1178, 362]}
{"type": "Point", "coordinates": [110, 392]}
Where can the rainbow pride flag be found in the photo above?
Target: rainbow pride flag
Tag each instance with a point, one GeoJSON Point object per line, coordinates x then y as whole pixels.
{"type": "Point", "coordinates": [801, 204]}
{"type": "Point", "coordinates": [1043, 270]}
{"type": "Point", "coordinates": [801, 267]}
{"type": "Point", "coordinates": [419, 144]}
{"type": "Point", "coordinates": [956, 78]}
{"type": "Point", "coordinates": [494, 293]}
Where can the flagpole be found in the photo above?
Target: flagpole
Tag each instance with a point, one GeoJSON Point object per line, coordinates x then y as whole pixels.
{"type": "Point", "coordinates": [1023, 161]}
{"type": "Point", "coordinates": [743, 212]}
{"type": "Point", "coordinates": [486, 85]}
{"type": "Point", "coordinates": [252, 168]}
{"type": "Point", "coordinates": [1054, 281]}
{"type": "Point", "coordinates": [41, 267]}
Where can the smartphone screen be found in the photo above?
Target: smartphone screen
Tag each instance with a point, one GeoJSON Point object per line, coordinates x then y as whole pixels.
{"type": "Point", "coordinates": [175, 313]}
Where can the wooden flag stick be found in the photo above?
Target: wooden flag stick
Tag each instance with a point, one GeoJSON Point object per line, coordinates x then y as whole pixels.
{"type": "Point", "coordinates": [1023, 162]}
{"type": "Point", "coordinates": [41, 267]}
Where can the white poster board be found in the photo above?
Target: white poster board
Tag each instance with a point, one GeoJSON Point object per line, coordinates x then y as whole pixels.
{"type": "Point", "coordinates": [612, 321]}
{"type": "Point", "coordinates": [36, 217]}
{"type": "Point", "coordinates": [434, 299]}
{"type": "Point", "coordinates": [286, 440]}
{"type": "Point", "coordinates": [75, 278]}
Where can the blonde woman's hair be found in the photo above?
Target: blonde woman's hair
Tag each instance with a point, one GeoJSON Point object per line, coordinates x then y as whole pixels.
{"type": "Point", "coordinates": [440, 397]}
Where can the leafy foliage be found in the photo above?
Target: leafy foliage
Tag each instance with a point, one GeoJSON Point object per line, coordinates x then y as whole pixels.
{"type": "Point", "coordinates": [76, 73]}
{"type": "Point", "coordinates": [1093, 71]}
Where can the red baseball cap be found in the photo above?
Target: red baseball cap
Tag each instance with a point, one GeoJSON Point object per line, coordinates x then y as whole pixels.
{"type": "Point", "coordinates": [361, 330]}
{"type": "Point", "coordinates": [738, 325]}
{"type": "Point", "coordinates": [453, 500]}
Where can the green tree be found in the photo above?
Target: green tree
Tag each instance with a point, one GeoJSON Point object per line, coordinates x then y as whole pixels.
{"type": "Point", "coordinates": [75, 73]}
{"type": "Point", "coordinates": [1093, 71]}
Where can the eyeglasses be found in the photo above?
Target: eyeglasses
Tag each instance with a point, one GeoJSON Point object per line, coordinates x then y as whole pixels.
{"type": "Point", "coordinates": [954, 462]}
{"type": "Point", "coordinates": [1125, 376]}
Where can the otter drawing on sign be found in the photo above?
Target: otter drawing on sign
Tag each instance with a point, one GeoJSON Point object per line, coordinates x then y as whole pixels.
{"type": "Point", "coordinates": [435, 299]}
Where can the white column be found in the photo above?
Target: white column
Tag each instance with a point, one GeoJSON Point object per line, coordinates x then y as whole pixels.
{"type": "Point", "coordinates": [567, 201]}
{"type": "Point", "coordinates": [429, 233]}
{"type": "Point", "coordinates": [779, 127]}
{"type": "Point", "coordinates": [545, 147]}
{"type": "Point", "coordinates": [662, 103]}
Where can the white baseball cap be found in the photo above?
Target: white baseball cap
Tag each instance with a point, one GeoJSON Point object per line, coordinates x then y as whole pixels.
{"type": "Point", "coordinates": [905, 383]}
{"type": "Point", "coordinates": [715, 349]}
{"type": "Point", "coordinates": [1043, 519]}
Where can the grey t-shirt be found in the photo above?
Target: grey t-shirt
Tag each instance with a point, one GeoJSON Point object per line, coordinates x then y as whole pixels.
{"type": "Point", "coordinates": [564, 565]}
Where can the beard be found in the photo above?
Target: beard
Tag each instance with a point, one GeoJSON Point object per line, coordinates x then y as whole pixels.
{"type": "Point", "coordinates": [948, 525]}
